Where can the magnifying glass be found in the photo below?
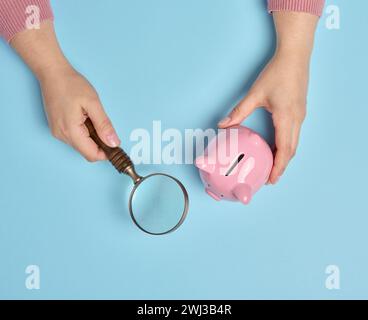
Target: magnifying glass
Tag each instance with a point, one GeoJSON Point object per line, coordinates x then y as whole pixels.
{"type": "Point", "coordinates": [158, 203]}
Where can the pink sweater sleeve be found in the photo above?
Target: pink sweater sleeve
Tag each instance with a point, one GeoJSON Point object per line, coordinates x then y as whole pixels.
{"type": "Point", "coordinates": [310, 6]}
{"type": "Point", "coordinates": [14, 15]}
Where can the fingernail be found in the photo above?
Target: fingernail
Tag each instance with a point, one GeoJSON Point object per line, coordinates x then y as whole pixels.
{"type": "Point", "coordinates": [224, 121]}
{"type": "Point", "coordinates": [113, 140]}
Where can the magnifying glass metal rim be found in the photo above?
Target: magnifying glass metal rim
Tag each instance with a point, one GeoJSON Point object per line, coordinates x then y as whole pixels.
{"type": "Point", "coordinates": [123, 164]}
{"type": "Point", "coordinates": [183, 216]}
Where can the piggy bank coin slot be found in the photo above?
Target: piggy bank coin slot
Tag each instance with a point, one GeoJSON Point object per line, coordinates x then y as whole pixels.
{"type": "Point", "coordinates": [235, 163]}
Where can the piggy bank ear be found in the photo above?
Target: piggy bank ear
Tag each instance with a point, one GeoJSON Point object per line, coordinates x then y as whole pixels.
{"type": "Point", "coordinates": [243, 193]}
{"type": "Point", "coordinates": [202, 164]}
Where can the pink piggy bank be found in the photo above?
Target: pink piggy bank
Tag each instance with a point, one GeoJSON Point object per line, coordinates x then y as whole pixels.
{"type": "Point", "coordinates": [235, 164]}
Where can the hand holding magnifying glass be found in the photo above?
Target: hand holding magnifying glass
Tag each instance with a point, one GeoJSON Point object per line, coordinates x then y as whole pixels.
{"type": "Point", "coordinates": [158, 203]}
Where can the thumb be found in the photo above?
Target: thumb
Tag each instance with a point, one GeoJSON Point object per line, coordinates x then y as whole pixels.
{"type": "Point", "coordinates": [240, 112]}
{"type": "Point", "coordinates": [102, 124]}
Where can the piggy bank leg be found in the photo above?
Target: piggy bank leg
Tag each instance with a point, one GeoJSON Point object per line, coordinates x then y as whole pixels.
{"type": "Point", "coordinates": [243, 193]}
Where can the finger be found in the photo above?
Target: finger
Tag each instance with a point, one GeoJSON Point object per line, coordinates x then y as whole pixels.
{"type": "Point", "coordinates": [80, 140]}
{"type": "Point", "coordinates": [102, 124]}
{"type": "Point", "coordinates": [285, 148]}
{"type": "Point", "coordinates": [240, 112]}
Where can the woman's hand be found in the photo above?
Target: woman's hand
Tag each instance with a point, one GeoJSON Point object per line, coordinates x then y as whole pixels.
{"type": "Point", "coordinates": [68, 97]}
{"type": "Point", "coordinates": [282, 86]}
{"type": "Point", "coordinates": [281, 89]}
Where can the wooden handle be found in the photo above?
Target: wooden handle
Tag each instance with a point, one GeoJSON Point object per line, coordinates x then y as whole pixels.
{"type": "Point", "coordinates": [116, 156]}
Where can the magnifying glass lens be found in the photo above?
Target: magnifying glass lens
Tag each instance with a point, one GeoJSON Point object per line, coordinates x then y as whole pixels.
{"type": "Point", "coordinates": [158, 204]}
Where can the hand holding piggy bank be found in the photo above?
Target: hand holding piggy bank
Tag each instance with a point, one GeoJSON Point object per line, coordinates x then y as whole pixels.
{"type": "Point", "coordinates": [235, 164]}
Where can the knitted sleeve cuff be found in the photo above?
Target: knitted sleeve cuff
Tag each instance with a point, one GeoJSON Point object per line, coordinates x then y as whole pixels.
{"type": "Point", "coordinates": [19, 15]}
{"type": "Point", "coordinates": [314, 7]}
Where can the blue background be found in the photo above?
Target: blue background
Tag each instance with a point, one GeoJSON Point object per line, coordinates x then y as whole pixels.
{"type": "Point", "coordinates": [185, 63]}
